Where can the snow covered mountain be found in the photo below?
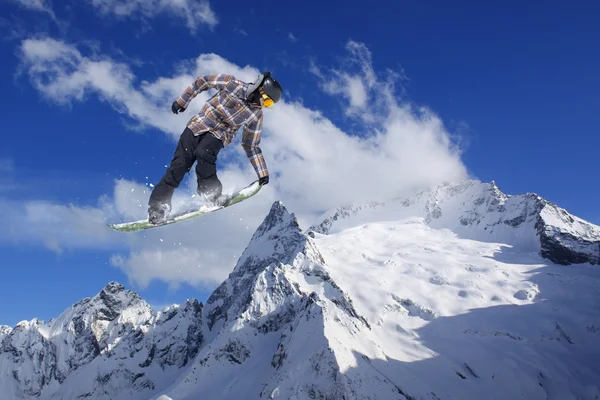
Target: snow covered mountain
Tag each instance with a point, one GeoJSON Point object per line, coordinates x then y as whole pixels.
{"type": "Point", "coordinates": [109, 346]}
{"type": "Point", "coordinates": [480, 211]}
{"type": "Point", "coordinates": [450, 294]}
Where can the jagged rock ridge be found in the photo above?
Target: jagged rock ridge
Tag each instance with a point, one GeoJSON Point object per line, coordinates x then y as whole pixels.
{"type": "Point", "coordinates": [66, 356]}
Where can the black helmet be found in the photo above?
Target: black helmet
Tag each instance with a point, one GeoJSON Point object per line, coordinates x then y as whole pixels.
{"type": "Point", "coordinates": [268, 84]}
{"type": "Point", "coordinates": [271, 87]}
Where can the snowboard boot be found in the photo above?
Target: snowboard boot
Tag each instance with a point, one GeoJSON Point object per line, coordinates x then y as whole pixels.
{"type": "Point", "coordinates": [157, 213]}
{"type": "Point", "coordinates": [216, 199]}
{"type": "Point", "coordinates": [159, 203]}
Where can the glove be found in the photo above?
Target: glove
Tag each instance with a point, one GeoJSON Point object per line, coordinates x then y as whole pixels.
{"type": "Point", "coordinates": [176, 108]}
{"type": "Point", "coordinates": [264, 180]}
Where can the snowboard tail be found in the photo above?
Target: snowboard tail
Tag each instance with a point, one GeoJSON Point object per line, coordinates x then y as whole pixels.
{"type": "Point", "coordinates": [143, 224]}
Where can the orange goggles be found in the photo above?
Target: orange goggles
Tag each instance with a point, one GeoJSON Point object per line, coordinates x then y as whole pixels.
{"type": "Point", "coordinates": [267, 101]}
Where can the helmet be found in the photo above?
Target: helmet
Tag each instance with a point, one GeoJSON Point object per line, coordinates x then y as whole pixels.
{"type": "Point", "coordinates": [268, 84]}
{"type": "Point", "coordinates": [271, 87]}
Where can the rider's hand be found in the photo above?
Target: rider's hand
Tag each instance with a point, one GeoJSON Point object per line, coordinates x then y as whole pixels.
{"type": "Point", "coordinates": [176, 108]}
{"type": "Point", "coordinates": [264, 180]}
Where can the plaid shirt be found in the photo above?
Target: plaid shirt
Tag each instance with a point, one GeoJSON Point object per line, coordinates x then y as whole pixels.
{"type": "Point", "coordinates": [225, 112]}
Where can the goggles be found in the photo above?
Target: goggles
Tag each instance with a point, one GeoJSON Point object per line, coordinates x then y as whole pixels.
{"type": "Point", "coordinates": [267, 101]}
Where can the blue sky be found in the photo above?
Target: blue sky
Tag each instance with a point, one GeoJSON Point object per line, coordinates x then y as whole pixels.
{"type": "Point", "coordinates": [86, 123]}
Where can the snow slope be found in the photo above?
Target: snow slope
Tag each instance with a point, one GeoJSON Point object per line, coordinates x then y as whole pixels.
{"type": "Point", "coordinates": [463, 319]}
{"type": "Point", "coordinates": [480, 211]}
{"type": "Point", "coordinates": [446, 295]}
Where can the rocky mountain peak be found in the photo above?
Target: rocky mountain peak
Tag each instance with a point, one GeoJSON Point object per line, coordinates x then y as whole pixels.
{"type": "Point", "coordinates": [278, 220]}
{"type": "Point", "coordinates": [277, 247]}
{"type": "Point", "coordinates": [4, 330]}
{"type": "Point", "coordinates": [114, 299]}
{"type": "Point", "coordinates": [113, 288]}
{"type": "Point", "coordinates": [275, 240]}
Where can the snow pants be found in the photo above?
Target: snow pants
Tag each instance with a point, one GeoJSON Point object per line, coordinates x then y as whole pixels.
{"type": "Point", "coordinates": [204, 149]}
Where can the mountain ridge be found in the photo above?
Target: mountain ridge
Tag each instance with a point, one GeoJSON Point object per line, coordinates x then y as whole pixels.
{"type": "Point", "coordinates": [552, 231]}
{"type": "Point", "coordinates": [366, 304]}
{"type": "Point", "coordinates": [42, 358]}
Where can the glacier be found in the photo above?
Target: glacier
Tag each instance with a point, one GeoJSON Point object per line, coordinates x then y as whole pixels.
{"type": "Point", "coordinates": [458, 292]}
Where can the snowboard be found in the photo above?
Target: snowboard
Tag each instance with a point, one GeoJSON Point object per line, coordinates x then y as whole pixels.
{"type": "Point", "coordinates": [143, 224]}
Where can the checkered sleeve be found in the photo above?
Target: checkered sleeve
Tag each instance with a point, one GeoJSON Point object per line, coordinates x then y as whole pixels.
{"type": "Point", "coordinates": [250, 143]}
{"type": "Point", "coordinates": [205, 82]}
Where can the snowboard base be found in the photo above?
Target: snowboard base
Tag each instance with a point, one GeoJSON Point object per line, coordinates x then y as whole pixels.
{"type": "Point", "coordinates": [143, 224]}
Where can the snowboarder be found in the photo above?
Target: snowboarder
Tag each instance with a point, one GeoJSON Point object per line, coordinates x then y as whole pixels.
{"type": "Point", "coordinates": [235, 104]}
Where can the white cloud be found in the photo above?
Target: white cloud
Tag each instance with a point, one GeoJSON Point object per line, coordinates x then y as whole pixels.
{"type": "Point", "coordinates": [19, 28]}
{"type": "Point", "coordinates": [366, 96]}
{"type": "Point", "coordinates": [193, 12]}
{"type": "Point", "coordinates": [185, 265]}
{"type": "Point", "coordinates": [352, 88]}
{"type": "Point", "coordinates": [58, 227]}
{"type": "Point", "coordinates": [37, 5]}
{"type": "Point", "coordinates": [292, 37]}
{"type": "Point", "coordinates": [357, 92]}
{"type": "Point", "coordinates": [314, 164]}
